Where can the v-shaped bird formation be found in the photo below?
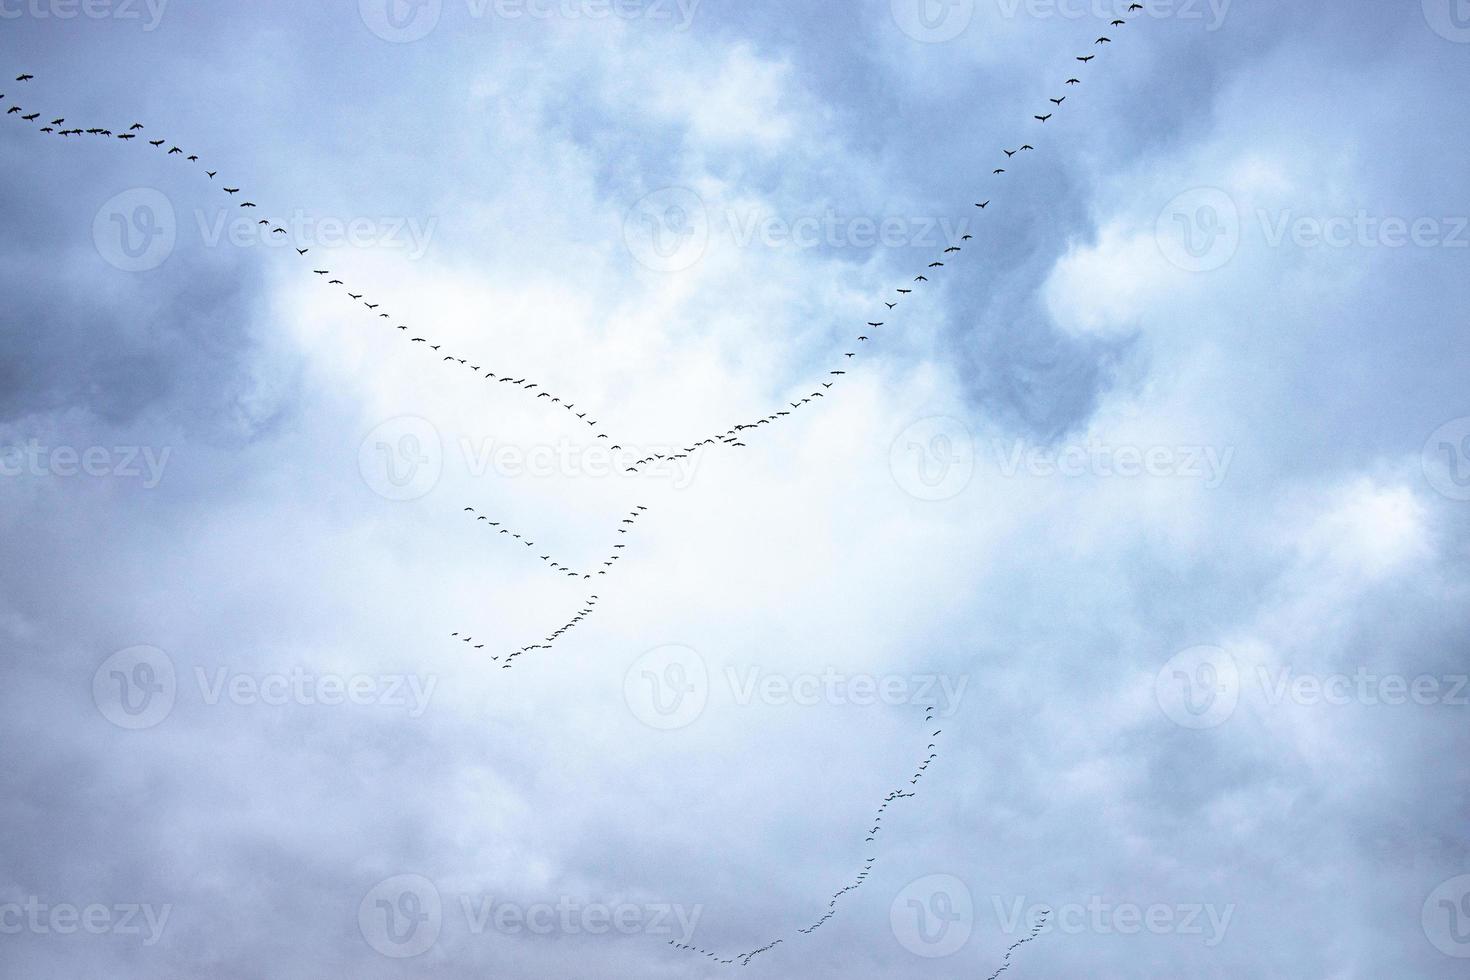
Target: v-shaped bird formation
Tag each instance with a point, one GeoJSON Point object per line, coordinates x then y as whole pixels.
{"type": "Point", "coordinates": [866, 341]}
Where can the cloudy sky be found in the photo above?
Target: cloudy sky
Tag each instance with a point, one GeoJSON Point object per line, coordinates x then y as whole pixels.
{"type": "Point", "coordinates": [1158, 493]}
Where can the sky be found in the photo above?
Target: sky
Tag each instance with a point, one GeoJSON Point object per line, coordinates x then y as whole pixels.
{"type": "Point", "coordinates": [1153, 502]}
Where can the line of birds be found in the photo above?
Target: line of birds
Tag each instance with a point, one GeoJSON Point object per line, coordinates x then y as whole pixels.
{"type": "Point", "coordinates": [733, 438]}
{"type": "Point", "coordinates": [626, 525]}
{"type": "Point", "coordinates": [735, 435]}
{"type": "Point", "coordinates": [356, 297]}
{"type": "Point", "coordinates": [893, 796]}
{"type": "Point", "coordinates": [1036, 928]}
{"type": "Point", "coordinates": [630, 520]}
{"type": "Point", "coordinates": [589, 605]}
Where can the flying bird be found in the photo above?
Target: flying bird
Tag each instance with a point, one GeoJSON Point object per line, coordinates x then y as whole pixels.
{"type": "Point", "coordinates": [24, 78]}
{"type": "Point", "coordinates": [1044, 118]}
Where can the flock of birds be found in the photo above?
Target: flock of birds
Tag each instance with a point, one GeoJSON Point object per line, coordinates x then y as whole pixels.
{"type": "Point", "coordinates": [893, 796]}
{"type": "Point", "coordinates": [626, 525]}
{"type": "Point", "coordinates": [733, 437]}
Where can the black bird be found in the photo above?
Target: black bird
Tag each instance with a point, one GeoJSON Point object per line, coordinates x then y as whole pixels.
{"type": "Point", "coordinates": [155, 142]}
{"type": "Point", "coordinates": [890, 305]}
{"type": "Point", "coordinates": [1059, 101]}
{"type": "Point", "coordinates": [32, 117]}
{"type": "Point", "coordinates": [302, 251]}
{"type": "Point", "coordinates": [232, 190]}
{"type": "Point", "coordinates": [875, 324]}
{"type": "Point", "coordinates": [24, 78]}
{"type": "Point", "coordinates": [1074, 81]}
{"type": "Point", "coordinates": [1000, 171]}
{"type": "Point", "coordinates": [1044, 118]}
{"type": "Point", "coordinates": [966, 238]}
{"type": "Point", "coordinates": [935, 265]}
{"type": "Point", "coordinates": [982, 206]}
{"type": "Point", "coordinates": [905, 291]}
{"type": "Point", "coordinates": [1103, 40]}
{"type": "Point", "coordinates": [921, 279]}
{"type": "Point", "coordinates": [1118, 23]}
{"type": "Point", "coordinates": [248, 204]}
{"type": "Point", "coordinates": [193, 159]}
{"type": "Point", "coordinates": [12, 109]}
{"type": "Point", "coordinates": [211, 173]}
{"type": "Point", "coordinates": [57, 122]}
{"type": "Point", "coordinates": [135, 126]}
{"type": "Point", "coordinates": [953, 248]}
{"type": "Point", "coordinates": [1009, 153]}
{"type": "Point", "coordinates": [1087, 59]}
{"type": "Point", "coordinates": [173, 150]}
{"type": "Point", "coordinates": [1028, 146]}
